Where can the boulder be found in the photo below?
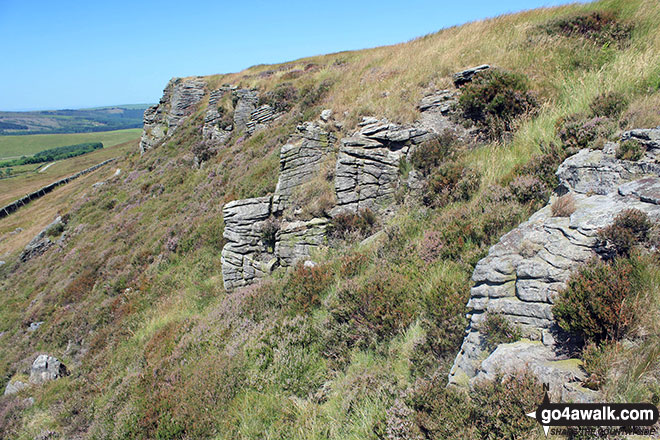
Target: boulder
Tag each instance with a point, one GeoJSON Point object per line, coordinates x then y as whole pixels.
{"type": "Point", "coordinates": [326, 115]}
{"type": "Point", "coordinates": [524, 271]}
{"type": "Point", "coordinates": [41, 242]}
{"type": "Point", "coordinates": [14, 387]}
{"type": "Point", "coordinates": [46, 368]}
{"type": "Point", "coordinates": [465, 76]}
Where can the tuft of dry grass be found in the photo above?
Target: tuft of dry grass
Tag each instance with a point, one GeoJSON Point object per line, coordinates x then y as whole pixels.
{"type": "Point", "coordinates": [564, 206]}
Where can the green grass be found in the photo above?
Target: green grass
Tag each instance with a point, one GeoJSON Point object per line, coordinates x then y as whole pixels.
{"type": "Point", "coordinates": [17, 146]}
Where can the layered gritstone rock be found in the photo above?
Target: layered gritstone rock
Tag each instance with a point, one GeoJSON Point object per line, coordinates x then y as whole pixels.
{"type": "Point", "coordinates": [258, 241]}
{"type": "Point", "coordinates": [246, 102]}
{"type": "Point", "coordinates": [245, 256]}
{"type": "Point", "coordinates": [522, 274]}
{"type": "Point", "coordinates": [301, 159]}
{"type": "Point", "coordinates": [367, 171]}
{"type": "Point", "coordinates": [212, 130]}
{"type": "Point", "coordinates": [179, 100]}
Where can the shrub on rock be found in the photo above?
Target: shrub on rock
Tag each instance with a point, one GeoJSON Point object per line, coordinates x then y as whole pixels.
{"type": "Point", "coordinates": [494, 99]}
{"type": "Point", "coordinates": [595, 304]}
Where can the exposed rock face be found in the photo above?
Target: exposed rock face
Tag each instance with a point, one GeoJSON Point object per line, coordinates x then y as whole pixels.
{"type": "Point", "coordinates": [300, 159]}
{"type": "Point", "coordinates": [212, 129]}
{"type": "Point", "coordinates": [15, 387]}
{"type": "Point", "coordinates": [296, 240]}
{"type": "Point", "coordinates": [466, 75]}
{"type": "Point", "coordinates": [259, 118]}
{"type": "Point", "coordinates": [245, 256]}
{"type": "Point", "coordinates": [179, 100]}
{"type": "Point", "coordinates": [523, 272]}
{"type": "Point", "coordinates": [258, 242]}
{"type": "Point", "coordinates": [41, 242]}
{"type": "Point", "coordinates": [367, 171]}
{"type": "Point", "coordinates": [246, 102]}
{"type": "Point", "coordinates": [46, 368]}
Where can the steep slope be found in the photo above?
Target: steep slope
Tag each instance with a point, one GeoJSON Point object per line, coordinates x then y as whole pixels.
{"type": "Point", "coordinates": [264, 268]}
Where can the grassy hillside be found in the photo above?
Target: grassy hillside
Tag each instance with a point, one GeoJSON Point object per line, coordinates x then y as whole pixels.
{"type": "Point", "coordinates": [17, 146]}
{"type": "Point", "coordinates": [358, 347]}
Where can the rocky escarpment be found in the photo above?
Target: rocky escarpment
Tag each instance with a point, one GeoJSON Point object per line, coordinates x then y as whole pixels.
{"type": "Point", "coordinates": [524, 271]}
{"type": "Point", "coordinates": [366, 176]}
{"type": "Point", "coordinates": [182, 97]}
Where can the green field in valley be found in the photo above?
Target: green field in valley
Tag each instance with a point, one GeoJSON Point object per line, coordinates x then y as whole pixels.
{"type": "Point", "coordinates": [26, 145]}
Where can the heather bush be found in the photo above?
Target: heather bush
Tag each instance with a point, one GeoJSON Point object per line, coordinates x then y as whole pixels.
{"type": "Point", "coordinates": [609, 105]}
{"type": "Point", "coordinates": [599, 27]}
{"type": "Point", "coordinates": [443, 318]}
{"type": "Point", "coordinates": [268, 232]}
{"type": "Point", "coordinates": [429, 155]}
{"type": "Point", "coordinates": [630, 227]}
{"type": "Point", "coordinates": [450, 182]}
{"type": "Point", "coordinates": [430, 247]}
{"type": "Point", "coordinates": [493, 410]}
{"type": "Point", "coordinates": [528, 189]}
{"type": "Point", "coordinates": [282, 98]}
{"type": "Point", "coordinates": [306, 286]}
{"type": "Point", "coordinates": [352, 264]}
{"type": "Point", "coordinates": [348, 224]}
{"type": "Point", "coordinates": [579, 131]}
{"type": "Point", "coordinates": [630, 150]}
{"type": "Point", "coordinates": [494, 99]}
{"type": "Point", "coordinates": [499, 406]}
{"type": "Point", "coordinates": [564, 206]}
{"type": "Point", "coordinates": [441, 412]}
{"type": "Point", "coordinates": [498, 330]}
{"type": "Point", "coordinates": [597, 301]}
{"type": "Point", "coordinates": [377, 308]}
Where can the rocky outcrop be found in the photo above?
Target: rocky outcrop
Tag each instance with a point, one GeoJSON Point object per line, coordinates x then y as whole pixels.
{"type": "Point", "coordinates": [180, 98]}
{"type": "Point", "coordinates": [300, 159]}
{"type": "Point", "coordinates": [215, 129]}
{"type": "Point", "coordinates": [246, 255]}
{"type": "Point", "coordinates": [524, 271]}
{"type": "Point", "coordinates": [46, 368]}
{"type": "Point", "coordinates": [258, 240]}
{"type": "Point", "coordinates": [246, 102]}
{"type": "Point", "coordinates": [465, 76]}
{"type": "Point", "coordinates": [259, 118]}
{"type": "Point", "coordinates": [366, 176]}
{"type": "Point", "coordinates": [42, 241]}
{"type": "Point", "coordinates": [367, 170]}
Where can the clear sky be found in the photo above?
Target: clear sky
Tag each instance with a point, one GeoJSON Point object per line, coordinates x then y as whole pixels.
{"type": "Point", "coordinates": [72, 54]}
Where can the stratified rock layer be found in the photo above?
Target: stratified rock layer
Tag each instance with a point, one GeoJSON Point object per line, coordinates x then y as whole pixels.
{"type": "Point", "coordinates": [258, 240]}
{"type": "Point", "coordinates": [524, 271]}
{"type": "Point", "coordinates": [179, 100]}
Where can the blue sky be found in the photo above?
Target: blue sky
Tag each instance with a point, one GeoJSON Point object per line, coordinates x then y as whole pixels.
{"type": "Point", "coordinates": [73, 54]}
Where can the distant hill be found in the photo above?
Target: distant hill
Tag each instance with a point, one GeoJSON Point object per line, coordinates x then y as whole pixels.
{"type": "Point", "coordinates": [72, 121]}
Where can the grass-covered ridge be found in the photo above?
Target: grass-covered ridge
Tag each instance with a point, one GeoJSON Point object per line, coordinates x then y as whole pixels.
{"type": "Point", "coordinates": [357, 347]}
